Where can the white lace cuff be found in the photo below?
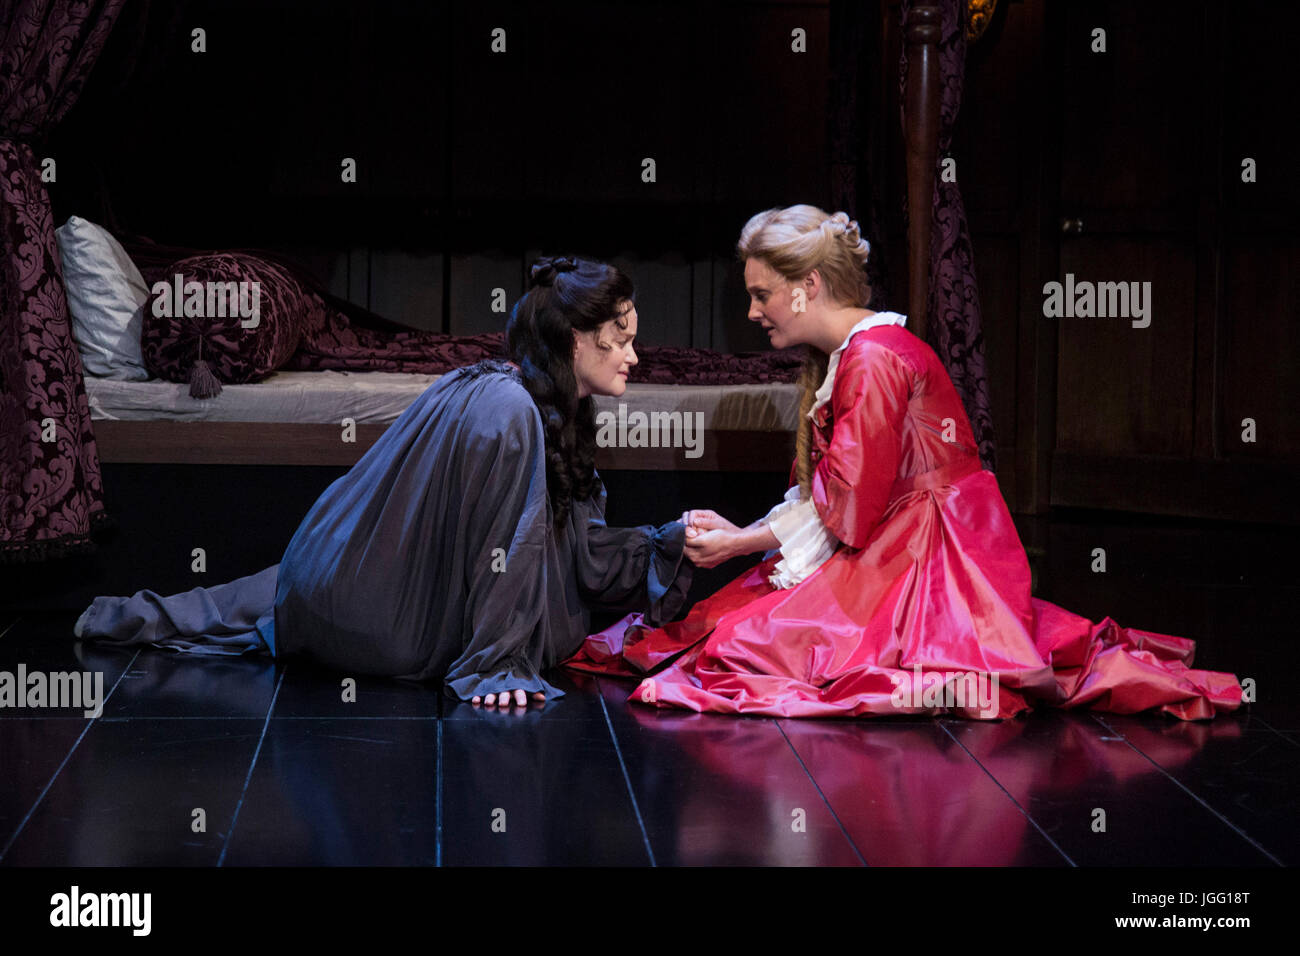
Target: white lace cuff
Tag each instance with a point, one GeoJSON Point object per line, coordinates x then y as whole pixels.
{"type": "Point", "coordinates": [791, 499]}
{"type": "Point", "coordinates": [805, 542]}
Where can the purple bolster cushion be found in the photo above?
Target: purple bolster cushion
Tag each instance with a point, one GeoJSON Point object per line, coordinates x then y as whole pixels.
{"type": "Point", "coordinates": [229, 317]}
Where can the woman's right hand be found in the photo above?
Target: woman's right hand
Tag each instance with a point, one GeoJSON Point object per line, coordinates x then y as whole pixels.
{"type": "Point", "coordinates": [702, 519]}
{"type": "Point", "coordinates": [503, 699]}
{"type": "Point", "coordinates": [711, 538]}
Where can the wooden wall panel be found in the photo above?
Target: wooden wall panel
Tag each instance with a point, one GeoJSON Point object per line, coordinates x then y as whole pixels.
{"type": "Point", "coordinates": [473, 279]}
{"type": "Point", "coordinates": [996, 145]}
{"type": "Point", "coordinates": [997, 271]}
{"type": "Point", "coordinates": [1123, 390]}
{"type": "Point", "coordinates": [1257, 38]}
{"type": "Point", "coordinates": [1132, 123]}
{"type": "Point", "coordinates": [663, 297]}
{"type": "Point", "coordinates": [1261, 354]}
{"type": "Point", "coordinates": [732, 331]}
{"type": "Point", "coordinates": [997, 123]}
{"type": "Point", "coordinates": [1151, 188]}
{"type": "Point", "coordinates": [407, 287]}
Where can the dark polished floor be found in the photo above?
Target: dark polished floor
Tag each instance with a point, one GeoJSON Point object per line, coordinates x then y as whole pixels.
{"type": "Point", "coordinates": [234, 763]}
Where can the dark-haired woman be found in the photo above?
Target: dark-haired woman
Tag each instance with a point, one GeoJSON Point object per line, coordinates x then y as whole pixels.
{"type": "Point", "coordinates": [468, 545]}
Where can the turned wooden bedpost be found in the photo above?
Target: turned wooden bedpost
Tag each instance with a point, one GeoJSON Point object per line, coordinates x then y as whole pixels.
{"type": "Point", "coordinates": [921, 132]}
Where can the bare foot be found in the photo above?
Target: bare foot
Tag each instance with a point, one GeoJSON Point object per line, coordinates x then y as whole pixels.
{"type": "Point", "coordinates": [503, 699]}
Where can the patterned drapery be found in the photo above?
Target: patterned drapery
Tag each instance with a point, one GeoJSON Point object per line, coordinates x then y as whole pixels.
{"type": "Point", "coordinates": [51, 497]}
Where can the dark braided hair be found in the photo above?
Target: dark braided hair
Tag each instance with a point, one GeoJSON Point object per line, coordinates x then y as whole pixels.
{"type": "Point", "coordinates": [565, 295]}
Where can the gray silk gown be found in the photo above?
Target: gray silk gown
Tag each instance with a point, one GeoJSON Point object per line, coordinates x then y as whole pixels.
{"type": "Point", "coordinates": [433, 558]}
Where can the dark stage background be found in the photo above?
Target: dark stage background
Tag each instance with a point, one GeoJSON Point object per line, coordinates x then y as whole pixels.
{"type": "Point", "coordinates": [1117, 167]}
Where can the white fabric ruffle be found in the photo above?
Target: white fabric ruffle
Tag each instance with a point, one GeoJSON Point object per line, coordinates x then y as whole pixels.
{"type": "Point", "coordinates": [805, 541]}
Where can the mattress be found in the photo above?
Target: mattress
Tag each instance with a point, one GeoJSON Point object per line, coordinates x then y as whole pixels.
{"type": "Point", "coordinates": [377, 398]}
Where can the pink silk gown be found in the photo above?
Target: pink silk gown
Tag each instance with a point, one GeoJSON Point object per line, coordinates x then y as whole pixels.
{"type": "Point", "coordinates": [924, 608]}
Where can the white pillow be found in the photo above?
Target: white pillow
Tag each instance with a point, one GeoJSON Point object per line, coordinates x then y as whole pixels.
{"type": "Point", "coordinates": [107, 297]}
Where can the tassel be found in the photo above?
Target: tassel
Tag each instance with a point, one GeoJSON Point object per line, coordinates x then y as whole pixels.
{"type": "Point", "coordinates": [203, 383]}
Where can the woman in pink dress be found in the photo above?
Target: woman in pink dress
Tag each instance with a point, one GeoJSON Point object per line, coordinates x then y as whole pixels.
{"type": "Point", "coordinates": [896, 582]}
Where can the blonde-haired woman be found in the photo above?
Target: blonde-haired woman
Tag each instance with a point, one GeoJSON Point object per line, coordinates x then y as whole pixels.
{"type": "Point", "coordinates": [895, 582]}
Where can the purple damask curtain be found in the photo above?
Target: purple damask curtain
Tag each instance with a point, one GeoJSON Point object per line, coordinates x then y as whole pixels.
{"type": "Point", "coordinates": [955, 328]}
{"type": "Point", "coordinates": [51, 498]}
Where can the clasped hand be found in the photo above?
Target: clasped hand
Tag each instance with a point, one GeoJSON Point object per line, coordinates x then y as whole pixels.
{"type": "Point", "coordinates": [711, 538]}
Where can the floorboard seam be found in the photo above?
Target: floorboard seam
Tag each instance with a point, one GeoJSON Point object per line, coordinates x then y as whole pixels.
{"type": "Point", "coordinates": [998, 783]}
{"type": "Point", "coordinates": [251, 767]}
{"type": "Point", "coordinates": [112, 720]}
{"type": "Point", "coordinates": [816, 786]}
{"type": "Point", "coordinates": [1181, 786]}
{"type": "Point", "coordinates": [627, 779]}
{"type": "Point", "coordinates": [437, 805]}
{"type": "Point", "coordinates": [66, 757]}
{"type": "Point", "coordinates": [1280, 733]}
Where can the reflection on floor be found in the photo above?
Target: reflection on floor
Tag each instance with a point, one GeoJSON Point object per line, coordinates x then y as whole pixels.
{"type": "Point", "coordinates": [243, 762]}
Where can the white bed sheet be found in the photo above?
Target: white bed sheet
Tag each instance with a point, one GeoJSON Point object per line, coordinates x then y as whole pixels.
{"type": "Point", "coordinates": [379, 397]}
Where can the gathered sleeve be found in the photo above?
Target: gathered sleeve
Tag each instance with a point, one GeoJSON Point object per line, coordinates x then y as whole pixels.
{"type": "Point", "coordinates": [629, 569]}
{"type": "Point", "coordinates": [805, 541]}
{"type": "Point", "coordinates": [852, 482]}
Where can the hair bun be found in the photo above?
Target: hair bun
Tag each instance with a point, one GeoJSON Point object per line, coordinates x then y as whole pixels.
{"type": "Point", "coordinates": [546, 269]}
{"type": "Point", "coordinates": [841, 225]}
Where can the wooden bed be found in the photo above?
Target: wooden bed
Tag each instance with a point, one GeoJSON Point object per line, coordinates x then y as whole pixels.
{"type": "Point", "coordinates": [283, 443]}
{"type": "Point", "coordinates": [280, 443]}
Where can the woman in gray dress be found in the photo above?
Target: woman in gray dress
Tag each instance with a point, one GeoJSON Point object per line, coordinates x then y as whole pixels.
{"type": "Point", "coordinates": [468, 545]}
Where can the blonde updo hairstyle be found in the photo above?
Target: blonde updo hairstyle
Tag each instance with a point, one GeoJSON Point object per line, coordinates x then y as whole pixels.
{"type": "Point", "coordinates": [793, 242]}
